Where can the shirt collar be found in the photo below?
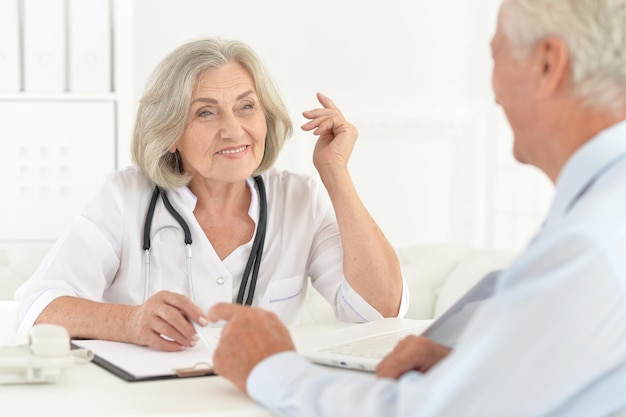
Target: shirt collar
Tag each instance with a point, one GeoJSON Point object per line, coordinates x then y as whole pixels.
{"type": "Point", "coordinates": [253, 211]}
{"type": "Point", "coordinates": [190, 200]}
{"type": "Point", "coordinates": [588, 163]}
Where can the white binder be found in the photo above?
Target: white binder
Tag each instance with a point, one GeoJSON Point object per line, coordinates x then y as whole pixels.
{"type": "Point", "coordinates": [10, 79]}
{"type": "Point", "coordinates": [89, 46]}
{"type": "Point", "coordinates": [44, 45]}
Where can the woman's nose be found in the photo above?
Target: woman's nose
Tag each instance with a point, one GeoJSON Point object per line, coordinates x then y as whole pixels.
{"type": "Point", "coordinates": [230, 127]}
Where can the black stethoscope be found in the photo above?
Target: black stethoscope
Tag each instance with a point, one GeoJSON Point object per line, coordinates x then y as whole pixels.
{"type": "Point", "coordinates": [254, 261]}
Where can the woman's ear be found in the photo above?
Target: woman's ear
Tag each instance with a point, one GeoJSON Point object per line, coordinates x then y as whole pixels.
{"type": "Point", "coordinates": [172, 149]}
{"type": "Point", "coordinates": [553, 65]}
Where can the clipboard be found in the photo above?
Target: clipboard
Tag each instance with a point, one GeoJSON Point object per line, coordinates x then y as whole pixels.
{"type": "Point", "coordinates": [134, 363]}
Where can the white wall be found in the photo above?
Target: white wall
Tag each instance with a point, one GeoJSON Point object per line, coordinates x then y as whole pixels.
{"type": "Point", "coordinates": [432, 162]}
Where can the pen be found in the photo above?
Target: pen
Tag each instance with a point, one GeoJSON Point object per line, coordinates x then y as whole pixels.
{"type": "Point", "coordinates": [211, 343]}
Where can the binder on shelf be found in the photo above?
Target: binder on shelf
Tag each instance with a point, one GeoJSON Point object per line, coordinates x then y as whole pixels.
{"type": "Point", "coordinates": [10, 68]}
{"type": "Point", "coordinates": [44, 45]}
{"type": "Point", "coordinates": [89, 46]}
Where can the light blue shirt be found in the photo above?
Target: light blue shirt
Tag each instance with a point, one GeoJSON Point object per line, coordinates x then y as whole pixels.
{"type": "Point", "coordinates": [551, 342]}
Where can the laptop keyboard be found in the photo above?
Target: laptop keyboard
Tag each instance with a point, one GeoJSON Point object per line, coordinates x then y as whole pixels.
{"type": "Point", "coordinates": [375, 347]}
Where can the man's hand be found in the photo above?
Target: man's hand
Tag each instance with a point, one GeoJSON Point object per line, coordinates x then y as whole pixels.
{"type": "Point", "coordinates": [249, 336]}
{"type": "Point", "coordinates": [411, 353]}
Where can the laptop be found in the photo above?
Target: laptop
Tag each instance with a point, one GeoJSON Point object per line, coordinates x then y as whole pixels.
{"type": "Point", "coordinates": [363, 346]}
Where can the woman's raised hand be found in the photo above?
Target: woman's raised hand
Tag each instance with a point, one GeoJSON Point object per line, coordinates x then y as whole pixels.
{"type": "Point", "coordinates": [336, 136]}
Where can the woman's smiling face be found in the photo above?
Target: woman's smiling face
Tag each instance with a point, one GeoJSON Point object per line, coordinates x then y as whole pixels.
{"type": "Point", "coordinates": [224, 139]}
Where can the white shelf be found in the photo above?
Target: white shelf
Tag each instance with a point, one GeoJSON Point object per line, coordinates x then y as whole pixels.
{"type": "Point", "coordinates": [56, 153]}
{"type": "Point", "coordinates": [28, 96]}
{"type": "Point", "coordinates": [60, 143]}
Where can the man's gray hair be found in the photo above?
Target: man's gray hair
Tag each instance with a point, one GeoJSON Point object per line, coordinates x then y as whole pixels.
{"type": "Point", "coordinates": [595, 33]}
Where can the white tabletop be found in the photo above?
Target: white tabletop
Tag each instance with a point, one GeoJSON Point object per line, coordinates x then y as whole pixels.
{"type": "Point", "coordinates": [89, 390]}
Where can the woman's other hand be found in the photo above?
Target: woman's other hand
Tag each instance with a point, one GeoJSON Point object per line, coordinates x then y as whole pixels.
{"type": "Point", "coordinates": [162, 322]}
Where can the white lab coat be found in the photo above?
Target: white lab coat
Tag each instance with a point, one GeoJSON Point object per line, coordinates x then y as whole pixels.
{"type": "Point", "coordinates": [101, 257]}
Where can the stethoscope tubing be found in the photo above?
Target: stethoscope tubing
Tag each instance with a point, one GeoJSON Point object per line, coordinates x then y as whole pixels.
{"type": "Point", "coordinates": [254, 260]}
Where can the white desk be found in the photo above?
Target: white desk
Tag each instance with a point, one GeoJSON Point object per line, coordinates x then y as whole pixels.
{"type": "Point", "coordinates": [88, 390]}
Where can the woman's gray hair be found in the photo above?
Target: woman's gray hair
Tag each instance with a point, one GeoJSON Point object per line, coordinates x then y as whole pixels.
{"type": "Point", "coordinates": [595, 33]}
{"type": "Point", "coordinates": [164, 108]}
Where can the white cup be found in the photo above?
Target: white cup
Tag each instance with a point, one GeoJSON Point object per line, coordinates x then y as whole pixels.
{"type": "Point", "coordinates": [8, 322]}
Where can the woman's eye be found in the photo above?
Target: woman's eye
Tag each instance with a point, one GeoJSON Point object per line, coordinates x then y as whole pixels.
{"type": "Point", "coordinates": [205, 113]}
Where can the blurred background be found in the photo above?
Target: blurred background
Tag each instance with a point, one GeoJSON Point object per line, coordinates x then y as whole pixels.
{"type": "Point", "coordinates": [433, 161]}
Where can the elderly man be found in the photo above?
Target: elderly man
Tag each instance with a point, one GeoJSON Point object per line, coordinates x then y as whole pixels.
{"type": "Point", "coordinates": [552, 340]}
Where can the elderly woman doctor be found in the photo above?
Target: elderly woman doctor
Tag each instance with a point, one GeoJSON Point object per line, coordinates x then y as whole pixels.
{"type": "Point", "coordinates": [203, 217]}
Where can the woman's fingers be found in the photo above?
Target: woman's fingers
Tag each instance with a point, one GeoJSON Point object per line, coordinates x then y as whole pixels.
{"type": "Point", "coordinates": [162, 322]}
{"type": "Point", "coordinates": [326, 102]}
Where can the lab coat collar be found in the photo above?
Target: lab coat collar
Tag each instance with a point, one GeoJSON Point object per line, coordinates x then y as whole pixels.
{"type": "Point", "coordinates": [190, 200]}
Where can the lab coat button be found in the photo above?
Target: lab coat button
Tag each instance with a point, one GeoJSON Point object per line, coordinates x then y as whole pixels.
{"type": "Point", "coordinates": [220, 281]}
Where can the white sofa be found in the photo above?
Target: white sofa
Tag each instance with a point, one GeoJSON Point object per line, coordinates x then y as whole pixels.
{"type": "Point", "coordinates": [17, 262]}
{"type": "Point", "coordinates": [437, 275]}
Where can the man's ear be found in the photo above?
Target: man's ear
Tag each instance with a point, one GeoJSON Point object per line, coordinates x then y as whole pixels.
{"type": "Point", "coordinates": [552, 65]}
